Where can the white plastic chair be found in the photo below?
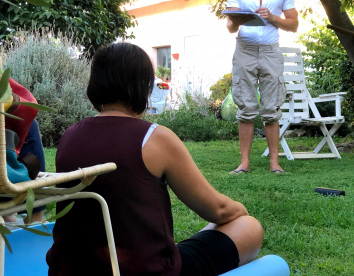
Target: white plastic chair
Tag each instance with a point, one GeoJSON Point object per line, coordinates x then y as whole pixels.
{"type": "Point", "coordinates": [297, 107]}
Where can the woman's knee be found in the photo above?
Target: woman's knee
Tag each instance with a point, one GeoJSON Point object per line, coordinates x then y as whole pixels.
{"type": "Point", "coordinates": [256, 229]}
{"type": "Point", "coordinates": [244, 228]}
{"type": "Point", "coordinates": [249, 242]}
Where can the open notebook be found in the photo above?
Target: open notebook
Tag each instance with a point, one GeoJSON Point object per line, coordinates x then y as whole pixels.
{"type": "Point", "coordinates": [256, 21]}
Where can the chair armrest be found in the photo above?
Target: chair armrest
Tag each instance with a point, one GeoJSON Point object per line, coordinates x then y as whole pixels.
{"type": "Point", "coordinates": [329, 97]}
{"type": "Point", "coordinates": [85, 174]}
{"type": "Point", "coordinates": [332, 94]}
{"type": "Point", "coordinates": [336, 97]}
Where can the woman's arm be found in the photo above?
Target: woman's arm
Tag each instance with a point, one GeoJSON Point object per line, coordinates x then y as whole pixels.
{"type": "Point", "coordinates": [165, 154]}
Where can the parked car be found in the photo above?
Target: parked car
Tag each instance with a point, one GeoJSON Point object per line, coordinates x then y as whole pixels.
{"type": "Point", "coordinates": [158, 99]}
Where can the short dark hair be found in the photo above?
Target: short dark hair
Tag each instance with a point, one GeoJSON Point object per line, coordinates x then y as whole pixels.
{"type": "Point", "coordinates": [121, 72]}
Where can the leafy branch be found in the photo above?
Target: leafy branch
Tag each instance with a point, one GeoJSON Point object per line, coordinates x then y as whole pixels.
{"type": "Point", "coordinates": [30, 198]}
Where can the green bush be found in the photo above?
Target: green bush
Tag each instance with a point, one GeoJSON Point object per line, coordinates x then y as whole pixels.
{"type": "Point", "coordinates": [346, 70]}
{"type": "Point", "coordinates": [193, 121]}
{"type": "Point", "coordinates": [221, 88]}
{"type": "Point", "coordinates": [97, 23]}
{"type": "Point", "coordinates": [49, 67]}
{"type": "Point", "coordinates": [330, 68]}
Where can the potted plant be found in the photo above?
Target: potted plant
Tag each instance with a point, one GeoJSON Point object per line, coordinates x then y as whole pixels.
{"type": "Point", "coordinates": [163, 73]}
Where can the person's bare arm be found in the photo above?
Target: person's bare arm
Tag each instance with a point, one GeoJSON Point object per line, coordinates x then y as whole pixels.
{"type": "Point", "coordinates": [234, 23]}
{"type": "Point", "coordinates": [289, 23]}
{"type": "Point", "coordinates": [165, 154]}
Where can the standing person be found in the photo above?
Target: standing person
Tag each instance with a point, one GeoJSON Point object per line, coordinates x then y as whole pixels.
{"type": "Point", "coordinates": [257, 60]}
{"type": "Point", "coordinates": [149, 159]}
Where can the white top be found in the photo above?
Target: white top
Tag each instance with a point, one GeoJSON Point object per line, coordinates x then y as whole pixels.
{"type": "Point", "coordinates": [148, 133]}
{"type": "Point", "coordinates": [261, 34]}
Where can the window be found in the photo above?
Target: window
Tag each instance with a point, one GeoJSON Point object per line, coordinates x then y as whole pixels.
{"type": "Point", "coordinates": [164, 57]}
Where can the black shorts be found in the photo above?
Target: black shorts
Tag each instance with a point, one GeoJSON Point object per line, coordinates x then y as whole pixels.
{"type": "Point", "coordinates": [208, 252]}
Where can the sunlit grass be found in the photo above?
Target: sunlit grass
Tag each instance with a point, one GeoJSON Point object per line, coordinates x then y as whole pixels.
{"type": "Point", "coordinates": [313, 233]}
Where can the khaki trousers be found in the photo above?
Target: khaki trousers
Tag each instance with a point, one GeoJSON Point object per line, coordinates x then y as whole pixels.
{"type": "Point", "coordinates": [253, 65]}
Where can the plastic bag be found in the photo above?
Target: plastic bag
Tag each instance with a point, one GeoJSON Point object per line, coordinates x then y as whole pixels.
{"type": "Point", "coordinates": [229, 108]}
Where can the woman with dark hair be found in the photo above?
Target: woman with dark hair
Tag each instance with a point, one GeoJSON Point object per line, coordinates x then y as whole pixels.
{"type": "Point", "coordinates": [149, 159]}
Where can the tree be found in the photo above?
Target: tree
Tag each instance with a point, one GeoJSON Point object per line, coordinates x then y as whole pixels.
{"type": "Point", "coordinates": [95, 22]}
{"type": "Point", "coordinates": [339, 18]}
{"type": "Point", "coordinates": [330, 70]}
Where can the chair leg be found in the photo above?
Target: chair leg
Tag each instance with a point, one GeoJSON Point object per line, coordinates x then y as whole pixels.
{"type": "Point", "coordinates": [286, 149]}
{"type": "Point", "coordinates": [331, 132]}
{"type": "Point", "coordinates": [283, 142]}
{"type": "Point", "coordinates": [266, 152]}
{"type": "Point", "coordinates": [328, 139]}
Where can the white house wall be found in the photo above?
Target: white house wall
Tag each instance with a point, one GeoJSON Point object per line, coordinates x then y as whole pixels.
{"type": "Point", "coordinates": [204, 45]}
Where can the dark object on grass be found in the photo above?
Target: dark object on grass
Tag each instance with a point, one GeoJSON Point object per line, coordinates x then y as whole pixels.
{"type": "Point", "coordinates": [329, 192]}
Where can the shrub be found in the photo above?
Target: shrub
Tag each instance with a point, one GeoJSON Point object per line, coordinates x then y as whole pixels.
{"type": "Point", "coordinates": [163, 73]}
{"type": "Point", "coordinates": [49, 67]}
{"type": "Point", "coordinates": [215, 107]}
{"type": "Point", "coordinates": [346, 70]}
{"type": "Point", "coordinates": [193, 121]}
{"type": "Point", "coordinates": [330, 68]}
{"type": "Point", "coordinates": [221, 88]}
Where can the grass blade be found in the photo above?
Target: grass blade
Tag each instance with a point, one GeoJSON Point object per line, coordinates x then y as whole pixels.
{"type": "Point", "coordinates": [29, 203]}
{"type": "Point", "coordinates": [62, 213]}
{"type": "Point", "coordinates": [11, 116]}
{"type": "Point", "coordinates": [7, 242]}
{"type": "Point", "coordinates": [4, 230]}
{"type": "Point", "coordinates": [8, 2]}
{"type": "Point", "coordinates": [5, 89]}
{"type": "Point", "coordinates": [36, 231]}
{"type": "Point", "coordinates": [36, 106]}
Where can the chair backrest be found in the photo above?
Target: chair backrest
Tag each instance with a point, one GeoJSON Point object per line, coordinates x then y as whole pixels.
{"type": "Point", "coordinates": [294, 77]}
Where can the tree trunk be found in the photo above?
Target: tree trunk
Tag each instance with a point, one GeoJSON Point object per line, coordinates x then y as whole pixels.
{"type": "Point", "coordinates": [342, 20]}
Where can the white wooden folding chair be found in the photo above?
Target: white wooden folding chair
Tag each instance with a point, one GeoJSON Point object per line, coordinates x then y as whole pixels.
{"type": "Point", "coordinates": [297, 107]}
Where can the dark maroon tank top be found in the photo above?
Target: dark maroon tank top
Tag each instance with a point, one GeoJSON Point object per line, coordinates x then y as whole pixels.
{"type": "Point", "coordinates": [139, 205]}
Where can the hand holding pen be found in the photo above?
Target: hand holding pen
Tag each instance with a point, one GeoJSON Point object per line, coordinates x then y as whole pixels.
{"type": "Point", "coordinates": [264, 12]}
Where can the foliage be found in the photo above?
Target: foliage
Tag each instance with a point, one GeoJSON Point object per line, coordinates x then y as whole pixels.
{"type": "Point", "coordinates": [5, 89]}
{"type": "Point", "coordinates": [193, 121]}
{"type": "Point", "coordinates": [163, 72]}
{"type": "Point", "coordinates": [5, 92]}
{"type": "Point", "coordinates": [329, 67]}
{"type": "Point", "coordinates": [215, 107]}
{"type": "Point", "coordinates": [29, 208]}
{"type": "Point", "coordinates": [217, 7]}
{"type": "Point", "coordinates": [48, 67]}
{"type": "Point", "coordinates": [95, 22]}
{"type": "Point", "coordinates": [221, 88]}
{"type": "Point", "coordinates": [346, 70]}
{"type": "Point", "coordinates": [348, 4]}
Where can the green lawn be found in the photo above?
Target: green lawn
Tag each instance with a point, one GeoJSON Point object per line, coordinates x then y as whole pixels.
{"type": "Point", "coordinates": [313, 233]}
